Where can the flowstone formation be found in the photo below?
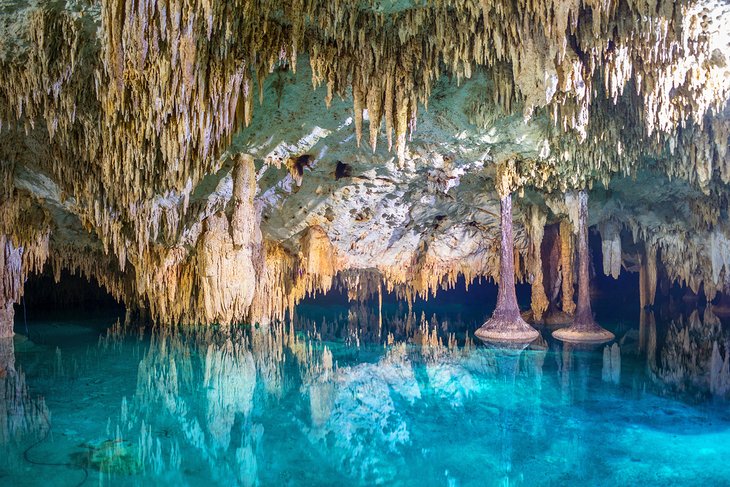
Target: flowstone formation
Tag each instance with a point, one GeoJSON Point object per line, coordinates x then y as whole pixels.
{"type": "Point", "coordinates": [203, 160]}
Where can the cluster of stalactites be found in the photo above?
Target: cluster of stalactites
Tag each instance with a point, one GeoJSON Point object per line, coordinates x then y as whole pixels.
{"type": "Point", "coordinates": [147, 110]}
{"type": "Point", "coordinates": [233, 274]}
{"type": "Point", "coordinates": [696, 355]}
{"type": "Point", "coordinates": [151, 105]}
{"type": "Point", "coordinates": [699, 259]}
{"type": "Point", "coordinates": [24, 244]}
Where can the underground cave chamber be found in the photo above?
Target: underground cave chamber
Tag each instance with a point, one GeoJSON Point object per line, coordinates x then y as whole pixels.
{"type": "Point", "coordinates": [366, 242]}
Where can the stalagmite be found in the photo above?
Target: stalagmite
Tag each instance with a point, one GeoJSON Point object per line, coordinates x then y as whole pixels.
{"type": "Point", "coordinates": [584, 327]}
{"type": "Point", "coordinates": [506, 324]}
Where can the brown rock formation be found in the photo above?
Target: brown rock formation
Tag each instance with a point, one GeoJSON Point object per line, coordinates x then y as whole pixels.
{"type": "Point", "coordinates": [132, 148]}
{"type": "Point", "coordinates": [566, 265]}
{"type": "Point", "coordinates": [536, 225]}
{"type": "Point", "coordinates": [648, 278]}
{"type": "Point", "coordinates": [11, 282]}
{"type": "Point", "coordinates": [584, 327]}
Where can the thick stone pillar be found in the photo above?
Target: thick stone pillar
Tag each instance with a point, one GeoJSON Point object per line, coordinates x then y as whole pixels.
{"type": "Point", "coordinates": [10, 284]}
{"type": "Point", "coordinates": [506, 324]}
{"type": "Point", "coordinates": [584, 327]}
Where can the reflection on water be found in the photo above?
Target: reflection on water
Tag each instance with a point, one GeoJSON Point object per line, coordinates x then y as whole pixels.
{"type": "Point", "coordinates": [359, 398]}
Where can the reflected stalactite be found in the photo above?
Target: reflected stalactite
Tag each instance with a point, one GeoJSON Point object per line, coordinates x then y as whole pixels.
{"type": "Point", "coordinates": [575, 371]}
{"type": "Point", "coordinates": [694, 355]}
{"type": "Point", "coordinates": [721, 305]}
{"type": "Point", "coordinates": [230, 380]}
{"type": "Point", "coordinates": [508, 367]}
{"type": "Point", "coordinates": [648, 339]}
{"type": "Point", "coordinates": [535, 357]}
{"type": "Point", "coordinates": [719, 370]}
{"type": "Point", "coordinates": [611, 371]}
{"type": "Point", "coordinates": [221, 365]}
{"type": "Point", "coordinates": [566, 367]}
{"type": "Point", "coordinates": [24, 418]}
{"type": "Point", "coordinates": [222, 402]}
{"type": "Point", "coordinates": [356, 420]}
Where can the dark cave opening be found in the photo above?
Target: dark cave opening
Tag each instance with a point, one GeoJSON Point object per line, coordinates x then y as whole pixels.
{"type": "Point", "coordinates": [72, 296]}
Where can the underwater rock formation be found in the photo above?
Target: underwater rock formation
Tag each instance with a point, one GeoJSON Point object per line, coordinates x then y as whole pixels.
{"type": "Point", "coordinates": [134, 148]}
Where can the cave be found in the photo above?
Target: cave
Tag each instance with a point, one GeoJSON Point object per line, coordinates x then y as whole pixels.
{"type": "Point", "coordinates": [365, 242]}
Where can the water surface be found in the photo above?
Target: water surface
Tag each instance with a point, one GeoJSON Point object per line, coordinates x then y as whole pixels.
{"type": "Point", "coordinates": [359, 396]}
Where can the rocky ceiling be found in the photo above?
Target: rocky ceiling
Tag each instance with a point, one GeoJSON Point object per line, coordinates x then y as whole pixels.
{"type": "Point", "coordinates": [217, 161]}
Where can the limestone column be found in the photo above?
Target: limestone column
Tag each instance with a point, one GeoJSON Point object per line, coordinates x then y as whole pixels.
{"type": "Point", "coordinates": [506, 324]}
{"type": "Point", "coordinates": [584, 327]}
{"type": "Point", "coordinates": [10, 284]}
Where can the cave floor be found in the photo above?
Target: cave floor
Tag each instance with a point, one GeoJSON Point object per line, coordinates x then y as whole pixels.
{"type": "Point", "coordinates": [328, 401]}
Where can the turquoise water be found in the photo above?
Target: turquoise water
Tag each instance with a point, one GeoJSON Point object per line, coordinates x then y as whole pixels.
{"type": "Point", "coordinates": [352, 397]}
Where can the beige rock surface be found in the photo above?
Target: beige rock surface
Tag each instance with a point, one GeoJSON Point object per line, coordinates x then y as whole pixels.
{"type": "Point", "coordinates": [134, 147]}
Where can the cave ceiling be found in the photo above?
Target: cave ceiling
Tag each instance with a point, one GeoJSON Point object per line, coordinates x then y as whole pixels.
{"type": "Point", "coordinates": [218, 161]}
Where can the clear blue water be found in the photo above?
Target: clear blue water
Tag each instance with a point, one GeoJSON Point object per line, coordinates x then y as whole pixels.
{"type": "Point", "coordinates": [328, 401]}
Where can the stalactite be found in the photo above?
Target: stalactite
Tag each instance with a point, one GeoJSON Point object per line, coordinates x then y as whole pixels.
{"type": "Point", "coordinates": [550, 256]}
{"type": "Point", "coordinates": [611, 248]}
{"type": "Point", "coordinates": [566, 265]}
{"type": "Point", "coordinates": [539, 302]}
{"type": "Point", "coordinates": [129, 106]}
{"type": "Point", "coordinates": [10, 284]}
{"type": "Point", "coordinates": [227, 278]}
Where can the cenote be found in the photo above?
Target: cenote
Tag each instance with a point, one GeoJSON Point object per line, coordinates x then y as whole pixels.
{"type": "Point", "coordinates": [364, 242]}
{"type": "Point", "coordinates": [371, 393]}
